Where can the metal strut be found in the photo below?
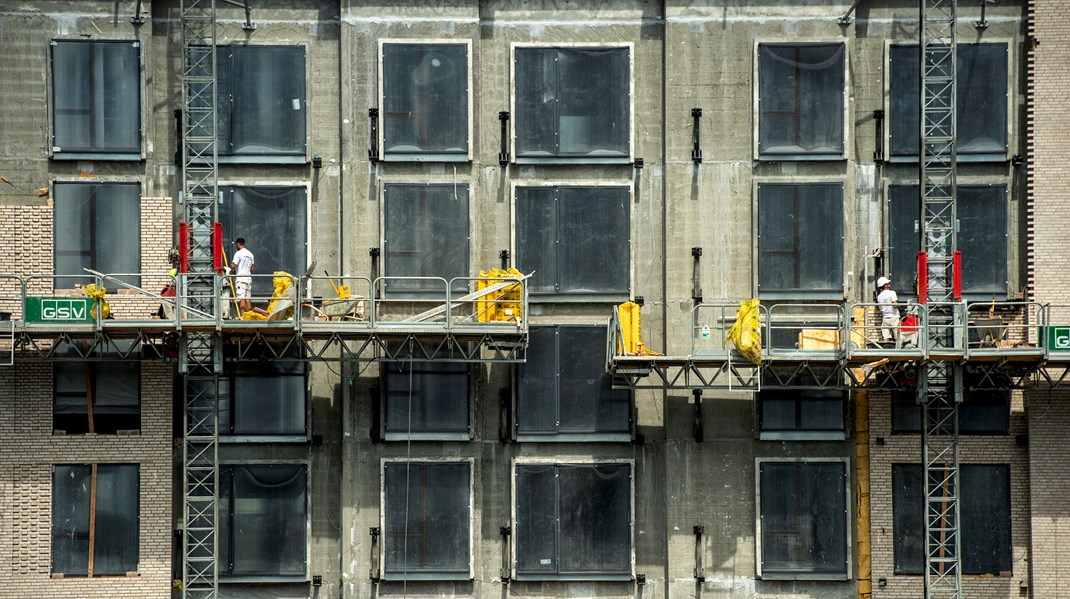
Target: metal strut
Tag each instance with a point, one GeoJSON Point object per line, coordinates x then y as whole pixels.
{"type": "Point", "coordinates": [200, 357]}
{"type": "Point", "coordinates": [940, 382]}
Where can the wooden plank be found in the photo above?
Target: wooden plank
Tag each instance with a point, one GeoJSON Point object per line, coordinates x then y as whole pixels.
{"type": "Point", "coordinates": [92, 515]}
{"type": "Point", "coordinates": [466, 298]}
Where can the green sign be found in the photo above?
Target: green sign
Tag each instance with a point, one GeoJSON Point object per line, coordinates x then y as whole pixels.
{"type": "Point", "coordinates": [59, 309]}
{"type": "Point", "coordinates": [1056, 338]}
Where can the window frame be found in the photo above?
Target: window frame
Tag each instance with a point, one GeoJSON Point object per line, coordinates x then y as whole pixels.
{"type": "Point", "coordinates": [848, 511]}
{"type": "Point", "coordinates": [307, 465]}
{"type": "Point", "coordinates": [389, 436]}
{"type": "Point", "coordinates": [59, 154]}
{"type": "Point", "coordinates": [569, 461]}
{"type": "Point", "coordinates": [1012, 90]}
{"type": "Point", "coordinates": [897, 403]}
{"type": "Point", "coordinates": [227, 438]}
{"type": "Point", "coordinates": [93, 375]}
{"type": "Point", "coordinates": [613, 297]}
{"type": "Point", "coordinates": [260, 159]}
{"type": "Point", "coordinates": [848, 130]}
{"type": "Point", "coordinates": [424, 156]}
{"type": "Point", "coordinates": [800, 295]}
{"type": "Point", "coordinates": [469, 219]}
{"type": "Point", "coordinates": [1011, 237]}
{"type": "Point", "coordinates": [628, 159]}
{"type": "Point", "coordinates": [472, 520]}
{"type": "Point", "coordinates": [92, 520]}
{"type": "Point", "coordinates": [800, 434]}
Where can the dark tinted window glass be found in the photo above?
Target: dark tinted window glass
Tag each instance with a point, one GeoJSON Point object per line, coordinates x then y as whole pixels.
{"type": "Point", "coordinates": [273, 221]}
{"type": "Point", "coordinates": [801, 99]}
{"type": "Point", "coordinates": [801, 411]}
{"type": "Point", "coordinates": [263, 520]}
{"type": "Point", "coordinates": [97, 226]}
{"type": "Point", "coordinates": [96, 95]}
{"type": "Point", "coordinates": [426, 231]}
{"type": "Point", "coordinates": [114, 389]}
{"type": "Point", "coordinates": [981, 412]}
{"type": "Point", "coordinates": [800, 237]}
{"type": "Point", "coordinates": [425, 98]}
{"type": "Point", "coordinates": [110, 518]}
{"type": "Point", "coordinates": [262, 92]}
{"type": "Point", "coordinates": [426, 397]}
{"type": "Point", "coordinates": [427, 518]}
{"type": "Point", "coordinates": [803, 517]}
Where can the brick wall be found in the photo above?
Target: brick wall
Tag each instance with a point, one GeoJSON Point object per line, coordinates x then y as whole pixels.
{"type": "Point", "coordinates": [906, 449]}
{"type": "Point", "coordinates": [28, 450]}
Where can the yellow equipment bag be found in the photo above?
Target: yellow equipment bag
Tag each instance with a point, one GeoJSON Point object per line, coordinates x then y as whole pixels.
{"type": "Point", "coordinates": [504, 305]}
{"type": "Point", "coordinates": [97, 293]}
{"type": "Point", "coordinates": [746, 333]}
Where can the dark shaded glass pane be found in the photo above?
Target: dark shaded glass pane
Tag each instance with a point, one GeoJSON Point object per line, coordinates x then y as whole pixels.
{"type": "Point", "coordinates": [97, 226]}
{"type": "Point", "coordinates": [800, 237]}
{"type": "Point", "coordinates": [981, 412]}
{"type": "Point", "coordinates": [263, 106]}
{"type": "Point", "coordinates": [273, 221]}
{"type": "Point", "coordinates": [427, 517]}
{"type": "Point", "coordinates": [536, 101]}
{"type": "Point", "coordinates": [982, 239]}
{"type": "Point", "coordinates": [426, 231]}
{"type": "Point", "coordinates": [536, 519]}
{"type": "Point", "coordinates": [71, 492]}
{"type": "Point", "coordinates": [269, 405]}
{"type": "Point", "coordinates": [985, 510]}
{"type": "Point", "coordinates": [114, 387]}
{"type": "Point", "coordinates": [981, 103]}
{"type": "Point", "coordinates": [537, 389]}
{"type": "Point", "coordinates": [115, 543]}
{"type": "Point", "coordinates": [904, 229]}
{"type": "Point", "coordinates": [263, 532]}
{"type": "Point", "coordinates": [802, 410]}
{"type": "Point", "coordinates": [593, 240]}
{"type": "Point", "coordinates": [588, 403]}
{"type": "Point", "coordinates": [96, 95]}
{"type": "Point", "coordinates": [536, 236]}
{"type": "Point", "coordinates": [801, 98]}
{"type": "Point", "coordinates": [432, 398]}
{"type": "Point", "coordinates": [425, 98]}
{"type": "Point", "coordinates": [595, 518]}
{"type": "Point", "coordinates": [908, 518]}
{"type": "Point", "coordinates": [778, 413]}
{"type": "Point", "coordinates": [803, 509]}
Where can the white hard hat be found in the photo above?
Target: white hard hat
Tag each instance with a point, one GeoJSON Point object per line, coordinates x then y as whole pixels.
{"type": "Point", "coordinates": [882, 281]}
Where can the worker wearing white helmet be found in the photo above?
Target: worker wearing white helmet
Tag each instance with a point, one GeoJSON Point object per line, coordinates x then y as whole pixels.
{"type": "Point", "coordinates": [888, 302]}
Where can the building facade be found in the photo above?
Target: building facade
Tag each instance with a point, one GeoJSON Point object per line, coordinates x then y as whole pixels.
{"type": "Point", "coordinates": [671, 153]}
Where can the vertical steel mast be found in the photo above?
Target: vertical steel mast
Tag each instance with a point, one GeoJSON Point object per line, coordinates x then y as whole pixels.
{"type": "Point", "coordinates": [200, 355]}
{"type": "Point", "coordinates": [940, 381]}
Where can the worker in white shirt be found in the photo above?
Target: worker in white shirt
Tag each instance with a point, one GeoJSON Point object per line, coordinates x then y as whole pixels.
{"type": "Point", "coordinates": [242, 263]}
{"type": "Point", "coordinates": [888, 302]}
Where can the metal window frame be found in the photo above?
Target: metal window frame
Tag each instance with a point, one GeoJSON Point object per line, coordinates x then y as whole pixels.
{"type": "Point", "coordinates": [848, 509]}
{"type": "Point", "coordinates": [800, 294]}
{"type": "Point", "coordinates": [50, 102]}
{"type": "Point", "coordinates": [630, 158]}
{"type": "Point", "coordinates": [848, 130]}
{"type": "Point", "coordinates": [231, 438]}
{"type": "Point", "coordinates": [801, 434]}
{"type": "Point", "coordinates": [472, 520]}
{"type": "Point", "coordinates": [614, 297]}
{"type": "Point", "coordinates": [307, 464]}
{"type": "Point", "coordinates": [425, 435]}
{"type": "Point", "coordinates": [569, 460]}
{"type": "Point", "coordinates": [92, 506]}
{"type": "Point", "coordinates": [424, 156]}
{"type": "Point", "coordinates": [69, 179]}
{"type": "Point", "coordinates": [1011, 89]}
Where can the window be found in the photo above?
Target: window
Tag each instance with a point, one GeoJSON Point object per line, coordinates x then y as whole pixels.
{"type": "Point", "coordinates": [425, 101]}
{"type": "Point", "coordinates": [426, 400]}
{"type": "Point", "coordinates": [265, 399]}
{"type": "Point", "coordinates": [800, 238]}
{"type": "Point", "coordinates": [573, 102]}
{"type": "Point", "coordinates": [803, 520]}
{"type": "Point", "coordinates": [427, 520]}
{"type": "Point", "coordinates": [261, 101]}
{"type": "Point", "coordinates": [576, 239]}
{"type": "Point", "coordinates": [274, 223]}
{"type": "Point", "coordinates": [980, 413]}
{"type": "Point", "coordinates": [96, 99]}
{"type": "Point", "coordinates": [573, 521]}
{"type": "Point", "coordinates": [97, 226]}
{"type": "Point", "coordinates": [800, 101]}
{"type": "Point", "coordinates": [981, 237]}
{"type": "Point", "coordinates": [980, 106]}
{"type": "Point", "coordinates": [984, 512]}
{"type": "Point", "coordinates": [111, 388]}
{"type": "Point", "coordinates": [801, 415]}
{"type": "Point", "coordinates": [564, 389]}
{"type": "Point", "coordinates": [263, 521]}
{"type": "Point", "coordinates": [425, 233]}
{"type": "Point", "coordinates": [95, 519]}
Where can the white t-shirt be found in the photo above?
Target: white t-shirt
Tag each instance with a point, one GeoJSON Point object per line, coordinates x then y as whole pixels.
{"type": "Point", "coordinates": [243, 260]}
{"type": "Point", "coordinates": [885, 300]}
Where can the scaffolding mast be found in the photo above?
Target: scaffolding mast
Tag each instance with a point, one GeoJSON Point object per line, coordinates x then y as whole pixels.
{"type": "Point", "coordinates": [200, 355]}
{"type": "Point", "coordinates": [940, 383]}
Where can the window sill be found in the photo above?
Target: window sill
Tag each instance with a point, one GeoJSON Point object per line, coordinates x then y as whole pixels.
{"type": "Point", "coordinates": [232, 439]}
{"type": "Point", "coordinates": [111, 156]}
{"type": "Point", "coordinates": [572, 160]}
{"type": "Point", "coordinates": [263, 159]}
{"type": "Point", "coordinates": [575, 577]}
{"type": "Point", "coordinates": [803, 296]}
{"type": "Point", "coordinates": [803, 436]}
{"type": "Point", "coordinates": [224, 579]}
{"type": "Point", "coordinates": [58, 576]}
{"type": "Point", "coordinates": [578, 298]}
{"type": "Point", "coordinates": [574, 438]}
{"type": "Point", "coordinates": [801, 158]}
{"type": "Point", "coordinates": [968, 158]}
{"type": "Point", "coordinates": [448, 576]}
{"type": "Point", "coordinates": [802, 576]}
{"type": "Point", "coordinates": [395, 436]}
{"type": "Point", "coordinates": [425, 157]}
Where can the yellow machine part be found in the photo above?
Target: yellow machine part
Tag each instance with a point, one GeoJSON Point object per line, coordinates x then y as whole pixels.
{"type": "Point", "coordinates": [282, 282]}
{"type": "Point", "coordinates": [746, 332]}
{"type": "Point", "coordinates": [501, 305]}
{"type": "Point", "coordinates": [97, 293]}
{"type": "Point", "coordinates": [631, 338]}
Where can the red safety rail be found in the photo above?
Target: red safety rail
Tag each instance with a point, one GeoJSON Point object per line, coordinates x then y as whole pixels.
{"type": "Point", "coordinates": [923, 277]}
{"type": "Point", "coordinates": [956, 276]}
{"type": "Point", "coordinates": [217, 247]}
{"type": "Point", "coordinates": [183, 247]}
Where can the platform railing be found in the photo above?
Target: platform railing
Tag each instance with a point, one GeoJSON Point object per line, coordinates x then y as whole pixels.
{"type": "Point", "coordinates": [1054, 334]}
{"type": "Point", "coordinates": [1005, 328]}
{"type": "Point", "coordinates": [710, 322]}
{"type": "Point", "coordinates": [865, 331]}
{"type": "Point", "coordinates": [342, 301]}
{"type": "Point", "coordinates": [507, 304]}
{"type": "Point", "coordinates": [11, 302]}
{"type": "Point", "coordinates": [812, 330]}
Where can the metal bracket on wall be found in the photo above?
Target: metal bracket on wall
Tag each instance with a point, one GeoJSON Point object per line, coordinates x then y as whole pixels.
{"type": "Point", "coordinates": [696, 149]}
{"type": "Point", "coordinates": [700, 571]}
{"type": "Point", "coordinates": [700, 434]}
{"type": "Point", "coordinates": [373, 571]}
{"type": "Point", "coordinates": [376, 398]}
{"type": "Point", "coordinates": [878, 123]}
{"type": "Point", "coordinates": [696, 288]}
{"type": "Point", "coordinates": [506, 571]}
{"type": "Point", "coordinates": [505, 427]}
{"type": "Point", "coordinates": [373, 142]}
{"type": "Point", "coordinates": [138, 19]}
{"type": "Point", "coordinates": [503, 152]}
{"type": "Point", "coordinates": [504, 257]}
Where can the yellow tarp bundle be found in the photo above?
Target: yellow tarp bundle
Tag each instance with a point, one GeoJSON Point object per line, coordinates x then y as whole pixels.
{"type": "Point", "coordinates": [283, 282]}
{"type": "Point", "coordinates": [97, 293]}
{"type": "Point", "coordinates": [746, 333]}
{"type": "Point", "coordinates": [504, 304]}
{"type": "Point", "coordinates": [631, 334]}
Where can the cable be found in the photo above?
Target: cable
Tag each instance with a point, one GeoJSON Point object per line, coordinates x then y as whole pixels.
{"type": "Point", "coordinates": [408, 465]}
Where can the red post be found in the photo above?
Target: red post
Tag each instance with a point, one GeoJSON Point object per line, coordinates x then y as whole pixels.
{"type": "Point", "coordinates": [217, 246]}
{"type": "Point", "coordinates": [956, 275]}
{"type": "Point", "coordinates": [923, 277]}
{"type": "Point", "coordinates": [183, 247]}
